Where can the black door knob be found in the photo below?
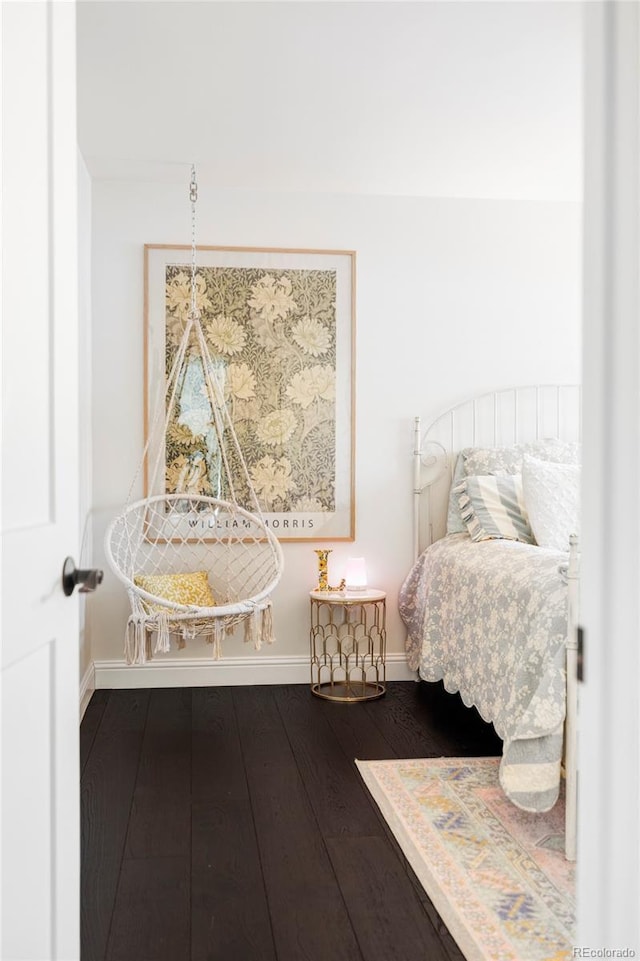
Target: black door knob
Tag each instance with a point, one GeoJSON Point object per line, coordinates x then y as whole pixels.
{"type": "Point", "coordinates": [71, 576]}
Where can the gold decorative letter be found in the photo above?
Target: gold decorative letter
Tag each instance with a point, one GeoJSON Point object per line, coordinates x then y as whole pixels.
{"type": "Point", "coordinates": [323, 580]}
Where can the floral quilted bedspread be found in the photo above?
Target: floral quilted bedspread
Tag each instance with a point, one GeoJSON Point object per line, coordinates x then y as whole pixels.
{"type": "Point", "coordinates": [489, 619]}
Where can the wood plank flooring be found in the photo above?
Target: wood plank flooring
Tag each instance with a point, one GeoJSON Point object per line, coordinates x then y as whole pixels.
{"type": "Point", "coordinates": [231, 824]}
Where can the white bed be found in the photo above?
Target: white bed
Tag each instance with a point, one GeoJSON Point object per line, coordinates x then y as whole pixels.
{"type": "Point", "coordinates": [494, 619]}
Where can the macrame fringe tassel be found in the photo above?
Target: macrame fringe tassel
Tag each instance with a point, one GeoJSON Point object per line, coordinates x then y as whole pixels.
{"type": "Point", "coordinates": [216, 641]}
{"type": "Point", "coordinates": [252, 631]}
{"type": "Point", "coordinates": [258, 630]}
{"type": "Point", "coordinates": [135, 640]}
{"type": "Point", "coordinates": [267, 625]}
{"type": "Point", "coordinates": [249, 629]}
{"type": "Point", "coordinates": [163, 637]}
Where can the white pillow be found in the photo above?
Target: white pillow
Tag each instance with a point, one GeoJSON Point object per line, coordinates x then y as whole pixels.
{"type": "Point", "coordinates": [552, 499]}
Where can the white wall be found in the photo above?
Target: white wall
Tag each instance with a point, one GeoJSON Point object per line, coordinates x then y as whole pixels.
{"type": "Point", "coordinates": [434, 99]}
{"type": "Point", "coordinates": [454, 297]}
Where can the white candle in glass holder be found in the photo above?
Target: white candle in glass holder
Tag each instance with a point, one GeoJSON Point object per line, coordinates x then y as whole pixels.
{"type": "Point", "coordinates": [356, 575]}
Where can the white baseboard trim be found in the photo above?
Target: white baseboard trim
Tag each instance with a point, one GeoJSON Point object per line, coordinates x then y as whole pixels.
{"type": "Point", "coordinates": [229, 671]}
{"type": "Point", "coordinates": [87, 687]}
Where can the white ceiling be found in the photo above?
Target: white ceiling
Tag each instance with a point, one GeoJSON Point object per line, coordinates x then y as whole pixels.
{"type": "Point", "coordinates": [454, 99]}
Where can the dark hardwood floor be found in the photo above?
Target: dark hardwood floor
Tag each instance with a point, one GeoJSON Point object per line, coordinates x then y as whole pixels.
{"type": "Point", "coordinates": [231, 824]}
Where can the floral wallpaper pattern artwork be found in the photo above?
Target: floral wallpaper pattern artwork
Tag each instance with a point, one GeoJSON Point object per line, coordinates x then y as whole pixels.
{"type": "Point", "coordinates": [273, 333]}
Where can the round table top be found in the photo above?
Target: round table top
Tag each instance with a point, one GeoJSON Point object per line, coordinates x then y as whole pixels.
{"type": "Point", "coordinates": [348, 597]}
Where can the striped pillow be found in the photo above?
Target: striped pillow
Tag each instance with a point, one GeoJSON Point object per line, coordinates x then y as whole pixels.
{"type": "Point", "coordinates": [492, 506]}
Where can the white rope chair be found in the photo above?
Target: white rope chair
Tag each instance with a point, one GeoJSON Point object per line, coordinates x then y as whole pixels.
{"type": "Point", "coordinates": [180, 532]}
{"type": "Point", "coordinates": [147, 538]}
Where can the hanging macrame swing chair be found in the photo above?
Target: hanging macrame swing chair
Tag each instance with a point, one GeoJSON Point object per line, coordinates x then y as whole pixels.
{"type": "Point", "coordinates": [194, 564]}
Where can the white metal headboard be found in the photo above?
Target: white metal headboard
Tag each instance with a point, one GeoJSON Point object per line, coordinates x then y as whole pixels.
{"type": "Point", "coordinates": [516, 415]}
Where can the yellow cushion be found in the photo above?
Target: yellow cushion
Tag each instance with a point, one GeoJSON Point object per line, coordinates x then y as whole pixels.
{"type": "Point", "coordinates": [189, 589]}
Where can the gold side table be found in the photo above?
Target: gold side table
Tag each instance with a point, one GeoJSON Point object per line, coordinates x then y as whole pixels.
{"type": "Point", "coordinates": [348, 645]}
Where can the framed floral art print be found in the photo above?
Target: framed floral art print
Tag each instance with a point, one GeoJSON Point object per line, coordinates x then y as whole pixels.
{"type": "Point", "coordinates": [280, 324]}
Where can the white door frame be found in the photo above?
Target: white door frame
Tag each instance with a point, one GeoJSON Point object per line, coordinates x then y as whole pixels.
{"type": "Point", "coordinates": [609, 753]}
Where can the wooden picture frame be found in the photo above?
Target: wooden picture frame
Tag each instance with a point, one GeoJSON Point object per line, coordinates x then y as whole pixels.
{"type": "Point", "coordinates": [282, 324]}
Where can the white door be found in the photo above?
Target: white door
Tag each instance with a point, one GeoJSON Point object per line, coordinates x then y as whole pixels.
{"type": "Point", "coordinates": [40, 766]}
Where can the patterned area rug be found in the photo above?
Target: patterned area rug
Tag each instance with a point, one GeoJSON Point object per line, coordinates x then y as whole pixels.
{"type": "Point", "coordinates": [496, 875]}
